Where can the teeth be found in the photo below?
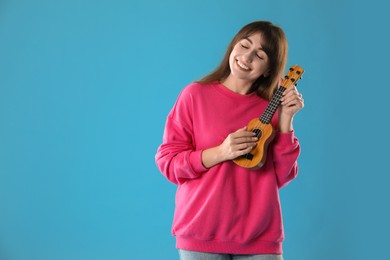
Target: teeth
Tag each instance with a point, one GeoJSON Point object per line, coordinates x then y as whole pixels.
{"type": "Point", "coordinates": [242, 65]}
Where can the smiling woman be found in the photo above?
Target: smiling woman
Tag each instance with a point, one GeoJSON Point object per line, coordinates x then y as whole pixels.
{"type": "Point", "coordinates": [223, 210]}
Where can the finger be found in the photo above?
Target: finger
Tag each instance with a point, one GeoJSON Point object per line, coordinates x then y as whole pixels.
{"type": "Point", "coordinates": [245, 146]}
{"type": "Point", "coordinates": [291, 97]}
{"type": "Point", "coordinates": [245, 151]}
{"type": "Point", "coordinates": [294, 103]}
{"type": "Point", "coordinates": [246, 139]}
{"type": "Point", "coordinates": [241, 129]}
{"type": "Point", "coordinates": [290, 89]}
{"type": "Point", "coordinates": [239, 153]}
{"type": "Point", "coordinates": [290, 101]}
{"type": "Point", "coordinates": [242, 134]}
{"type": "Point", "coordinates": [293, 107]}
{"type": "Point", "coordinates": [243, 140]}
{"type": "Point", "coordinates": [291, 92]}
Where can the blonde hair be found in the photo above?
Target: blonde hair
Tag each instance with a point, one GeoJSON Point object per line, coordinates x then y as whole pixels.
{"type": "Point", "coordinates": [275, 46]}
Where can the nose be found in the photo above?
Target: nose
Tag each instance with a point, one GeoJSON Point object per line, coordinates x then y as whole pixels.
{"type": "Point", "coordinates": [248, 57]}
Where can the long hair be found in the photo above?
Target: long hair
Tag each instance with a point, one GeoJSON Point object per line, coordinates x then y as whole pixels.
{"type": "Point", "coordinates": [275, 46]}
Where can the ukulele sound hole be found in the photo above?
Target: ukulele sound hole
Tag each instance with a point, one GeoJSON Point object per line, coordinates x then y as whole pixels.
{"type": "Point", "coordinates": [257, 132]}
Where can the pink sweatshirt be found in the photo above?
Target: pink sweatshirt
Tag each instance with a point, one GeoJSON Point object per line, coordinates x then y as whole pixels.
{"type": "Point", "coordinates": [227, 208]}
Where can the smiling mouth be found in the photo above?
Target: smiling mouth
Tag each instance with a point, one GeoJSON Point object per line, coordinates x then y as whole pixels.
{"type": "Point", "coordinates": [243, 66]}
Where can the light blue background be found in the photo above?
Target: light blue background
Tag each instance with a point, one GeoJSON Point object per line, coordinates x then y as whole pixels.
{"type": "Point", "coordinates": [85, 87]}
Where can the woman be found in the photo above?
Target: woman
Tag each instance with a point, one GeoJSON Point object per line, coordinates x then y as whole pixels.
{"type": "Point", "coordinates": [224, 211]}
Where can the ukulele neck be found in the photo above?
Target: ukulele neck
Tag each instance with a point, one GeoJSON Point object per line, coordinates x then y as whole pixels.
{"type": "Point", "coordinates": [272, 106]}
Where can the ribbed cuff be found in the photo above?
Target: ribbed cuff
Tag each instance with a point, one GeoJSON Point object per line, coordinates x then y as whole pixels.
{"type": "Point", "coordinates": [195, 159]}
{"type": "Point", "coordinates": [285, 138]}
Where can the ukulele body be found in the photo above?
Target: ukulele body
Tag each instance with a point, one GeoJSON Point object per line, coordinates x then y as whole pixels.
{"type": "Point", "coordinates": [257, 156]}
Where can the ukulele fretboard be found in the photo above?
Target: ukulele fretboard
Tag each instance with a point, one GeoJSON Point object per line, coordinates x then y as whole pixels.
{"type": "Point", "coordinates": [272, 106]}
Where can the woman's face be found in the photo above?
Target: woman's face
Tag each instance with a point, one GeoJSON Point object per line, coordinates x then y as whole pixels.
{"type": "Point", "coordinates": [248, 61]}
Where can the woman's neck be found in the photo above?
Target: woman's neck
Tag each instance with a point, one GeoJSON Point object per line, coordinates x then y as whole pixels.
{"type": "Point", "coordinates": [239, 86]}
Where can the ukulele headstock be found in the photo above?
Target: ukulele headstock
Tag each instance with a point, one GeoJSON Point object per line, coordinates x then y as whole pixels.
{"type": "Point", "coordinates": [293, 75]}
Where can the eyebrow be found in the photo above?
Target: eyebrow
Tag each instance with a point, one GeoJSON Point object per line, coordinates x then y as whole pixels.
{"type": "Point", "coordinates": [246, 38]}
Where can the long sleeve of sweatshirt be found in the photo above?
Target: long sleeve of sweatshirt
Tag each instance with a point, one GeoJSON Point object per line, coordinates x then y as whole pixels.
{"type": "Point", "coordinates": [177, 157]}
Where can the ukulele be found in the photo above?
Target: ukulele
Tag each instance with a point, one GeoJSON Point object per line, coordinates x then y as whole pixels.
{"type": "Point", "coordinates": [262, 126]}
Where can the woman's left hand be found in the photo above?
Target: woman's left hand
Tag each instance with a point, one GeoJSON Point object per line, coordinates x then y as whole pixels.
{"type": "Point", "coordinates": [292, 102]}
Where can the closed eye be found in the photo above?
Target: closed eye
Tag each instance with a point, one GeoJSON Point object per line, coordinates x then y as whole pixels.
{"type": "Point", "coordinates": [243, 46]}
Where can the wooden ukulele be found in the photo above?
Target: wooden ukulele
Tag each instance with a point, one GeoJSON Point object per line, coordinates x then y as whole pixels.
{"type": "Point", "coordinates": [262, 126]}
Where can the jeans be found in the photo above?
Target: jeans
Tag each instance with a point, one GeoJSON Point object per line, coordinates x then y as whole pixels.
{"type": "Point", "coordinates": [192, 255]}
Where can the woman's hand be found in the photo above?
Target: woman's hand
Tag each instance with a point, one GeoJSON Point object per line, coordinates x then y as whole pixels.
{"type": "Point", "coordinates": [235, 144]}
{"type": "Point", "coordinates": [292, 102]}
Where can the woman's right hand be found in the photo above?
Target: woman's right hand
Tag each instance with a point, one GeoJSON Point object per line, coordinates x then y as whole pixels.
{"type": "Point", "coordinates": [235, 144]}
